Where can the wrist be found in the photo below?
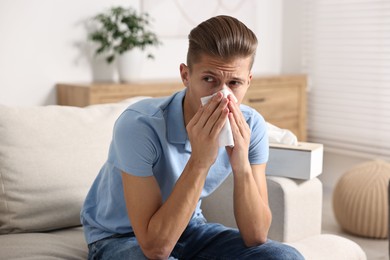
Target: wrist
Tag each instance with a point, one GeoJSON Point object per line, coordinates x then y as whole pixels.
{"type": "Point", "coordinates": [242, 170]}
{"type": "Point", "coordinates": [199, 164]}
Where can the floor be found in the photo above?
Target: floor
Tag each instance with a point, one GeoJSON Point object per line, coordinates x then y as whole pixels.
{"type": "Point", "coordinates": [335, 166]}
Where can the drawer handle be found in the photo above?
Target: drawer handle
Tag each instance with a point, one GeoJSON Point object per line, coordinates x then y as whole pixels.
{"type": "Point", "coordinates": [257, 100]}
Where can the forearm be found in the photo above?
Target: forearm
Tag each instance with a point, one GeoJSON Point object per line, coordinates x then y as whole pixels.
{"type": "Point", "coordinates": [251, 210]}
{"type": "Point", "coordinates": [170, 220]}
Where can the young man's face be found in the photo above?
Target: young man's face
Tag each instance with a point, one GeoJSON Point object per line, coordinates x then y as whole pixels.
{"type": "Point", "coordinates": [211, 75]}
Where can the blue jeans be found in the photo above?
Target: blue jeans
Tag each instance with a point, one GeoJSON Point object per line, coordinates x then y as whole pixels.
{"type": "Point", "coordinates": [200, 240]}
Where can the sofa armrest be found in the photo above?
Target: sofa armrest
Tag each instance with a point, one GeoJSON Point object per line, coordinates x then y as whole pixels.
{"type": "Point", "coordinates": [296, 207]}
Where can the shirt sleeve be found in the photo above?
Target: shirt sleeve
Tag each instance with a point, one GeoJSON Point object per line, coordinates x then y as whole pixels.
{"type": "Point", "coordinates": [133, 148]}
{"type": "Point", "coordinates": [259, 146]}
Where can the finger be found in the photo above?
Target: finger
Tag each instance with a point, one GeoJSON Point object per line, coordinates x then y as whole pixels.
{"type": "Point", "coordinates": [213, 119]}
{"type": "Point", "coordinates": [195, 119]}
{"type": "Point", "coordinates": [232, 98]}
{"type": "Point", "coordinates": [229, 150]}
{"type": "Point", "coordinates": [239, 119]}
{"type": "Point", "coordinates": [233, 125]}
{"type": "Point", "coordinates": [235, 110]}
{"type": "Point", "coordinates": [209, 108]}
{"type": "Point", "coordinates": [219, 123]}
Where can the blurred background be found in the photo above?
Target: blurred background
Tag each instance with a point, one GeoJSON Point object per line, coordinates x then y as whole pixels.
{"type": "Point", "coordinates": [343, 46]}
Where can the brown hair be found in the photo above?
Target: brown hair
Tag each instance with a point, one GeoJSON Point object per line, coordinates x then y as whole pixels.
{"type": "Point", "coordinates": [223, 37]}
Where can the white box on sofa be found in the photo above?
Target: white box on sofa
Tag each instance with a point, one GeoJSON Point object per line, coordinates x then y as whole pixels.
{"type": "Point", "coordinates": [302, 161]}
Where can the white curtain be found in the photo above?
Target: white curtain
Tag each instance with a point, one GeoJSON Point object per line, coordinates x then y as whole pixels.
{"type": "Point", "coordinates": [346, 54]}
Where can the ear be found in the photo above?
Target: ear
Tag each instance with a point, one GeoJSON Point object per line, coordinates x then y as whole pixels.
{"type": "Point", "coordinates": [250, 78]}
{"type": "Point", "coordinates": [184, 73]}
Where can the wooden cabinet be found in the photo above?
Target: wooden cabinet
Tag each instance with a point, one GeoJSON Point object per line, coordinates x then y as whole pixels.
{"type": "Point", "coordinates": [280, 99]}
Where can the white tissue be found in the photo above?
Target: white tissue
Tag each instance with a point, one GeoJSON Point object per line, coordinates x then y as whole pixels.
{"type": "Point", "coordinates": [281, 136]}
{"type": "Point", "coordinates": [226, 135]}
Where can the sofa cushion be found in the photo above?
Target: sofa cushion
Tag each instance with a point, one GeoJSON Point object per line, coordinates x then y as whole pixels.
{"type": "Point", "coordinates": [327, 246]}
{"type": "Point", "coordinates": [49, 156]}
{"type": "Point", "coordinates": [63, 244]}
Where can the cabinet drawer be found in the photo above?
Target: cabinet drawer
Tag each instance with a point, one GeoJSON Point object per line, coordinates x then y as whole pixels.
{"type": "Point", "coordinates": [274, 103]}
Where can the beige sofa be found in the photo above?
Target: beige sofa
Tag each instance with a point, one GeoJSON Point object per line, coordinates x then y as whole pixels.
{"type": "Point", "coordinates": [50, 155]}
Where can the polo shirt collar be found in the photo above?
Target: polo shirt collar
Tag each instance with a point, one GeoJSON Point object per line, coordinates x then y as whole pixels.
{"type": "Point", "coordinates": [176, 131]}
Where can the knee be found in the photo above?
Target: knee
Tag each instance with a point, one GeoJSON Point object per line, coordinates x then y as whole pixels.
{"type": "Point", "coordinates": [278, 251]}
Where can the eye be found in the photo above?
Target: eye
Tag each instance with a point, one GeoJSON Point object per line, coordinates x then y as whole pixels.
{"type": "Point", "coordinates": [209, 79]}
{"type": "Point", "coordinates": [235, 83]}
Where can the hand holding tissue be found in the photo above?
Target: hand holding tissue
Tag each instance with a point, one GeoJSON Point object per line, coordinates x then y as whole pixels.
{"type": "Point", "coordinates": [287, 157]}
{"type": "Point", "coordinates": [226, 135]}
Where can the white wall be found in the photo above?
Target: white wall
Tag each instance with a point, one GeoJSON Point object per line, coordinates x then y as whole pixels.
{"type": "Point", "coordinates": [43, 42]}
{"type": "Point", "coordinates": [292, 25]}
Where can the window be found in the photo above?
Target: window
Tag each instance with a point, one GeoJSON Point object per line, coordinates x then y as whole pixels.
{"type": "Point", "coordinates": [346, 55]}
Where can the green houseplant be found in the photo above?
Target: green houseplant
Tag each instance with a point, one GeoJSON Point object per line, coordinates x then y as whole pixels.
{"type": "Point", "coordinates": [119, 30]}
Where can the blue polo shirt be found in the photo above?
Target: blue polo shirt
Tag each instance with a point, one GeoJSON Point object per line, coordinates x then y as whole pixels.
{"type": "Point", "coordinates": [150, 139]}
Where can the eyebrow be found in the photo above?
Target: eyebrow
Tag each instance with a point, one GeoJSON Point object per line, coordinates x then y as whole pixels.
{"type": "Point", "coordinates": [209, 72]}
{"type": "Point", "coordinates": [216, 74]}
{"type": "Point", "coordinates": [238, 79]}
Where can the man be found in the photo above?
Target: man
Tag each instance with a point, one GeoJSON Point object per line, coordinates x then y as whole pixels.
{"type": "Point", "coordinates": [165, 157]}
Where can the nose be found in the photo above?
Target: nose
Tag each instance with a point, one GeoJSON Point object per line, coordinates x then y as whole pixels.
{"type": "Point", "coordinates": [223, 86]}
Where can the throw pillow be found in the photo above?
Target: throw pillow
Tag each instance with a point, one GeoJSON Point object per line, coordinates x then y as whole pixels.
{"type": "Point", "coordinates": [49, 156]}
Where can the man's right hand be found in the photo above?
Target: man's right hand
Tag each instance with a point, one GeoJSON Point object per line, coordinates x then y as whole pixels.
{"type": "Point", "coordinates": [204, 129]}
